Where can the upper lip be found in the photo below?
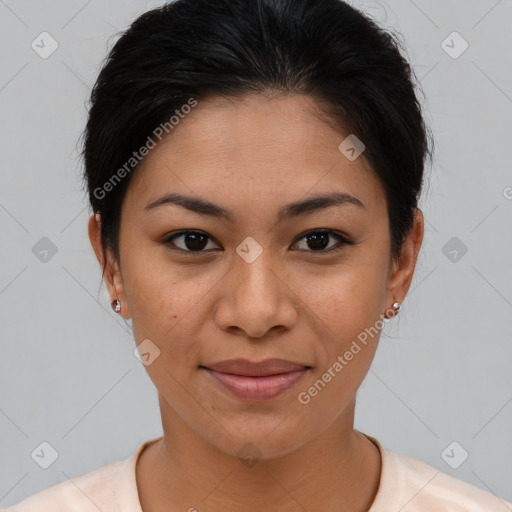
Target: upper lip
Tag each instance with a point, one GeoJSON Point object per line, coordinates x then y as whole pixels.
{"type": "Point", "coordinates": [249, 368]}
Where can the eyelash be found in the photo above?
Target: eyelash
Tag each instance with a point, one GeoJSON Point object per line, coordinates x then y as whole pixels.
{"type": "Point", "coordinates": [342, 241]}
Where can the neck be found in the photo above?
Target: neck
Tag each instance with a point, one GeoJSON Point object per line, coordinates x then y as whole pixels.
{"type": "Point", "coordinates": [339, 470]}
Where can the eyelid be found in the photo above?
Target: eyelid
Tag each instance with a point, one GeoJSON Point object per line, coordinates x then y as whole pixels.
{"type": "Point", "coordinates": [168, 240]}
{"type": "Point", "coordinates": [340, 237]}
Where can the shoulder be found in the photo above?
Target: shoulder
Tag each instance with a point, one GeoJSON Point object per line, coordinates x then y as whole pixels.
{"type": "Point", "coordinates": [410, 485]}
{"type": "Point", "coordinates": [89, 492]}
{"type": "Point", "coordinates": [434, 487]}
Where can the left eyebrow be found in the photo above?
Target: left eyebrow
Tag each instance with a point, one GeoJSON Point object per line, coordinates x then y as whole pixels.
{"type": "Point", "coordinates": [298, 208]}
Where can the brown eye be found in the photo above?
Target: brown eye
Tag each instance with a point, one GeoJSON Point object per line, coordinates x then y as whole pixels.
{"type": "Point", "coordinates": [318, 241]}
{"type": "Point", "coordinates": [192, 241]}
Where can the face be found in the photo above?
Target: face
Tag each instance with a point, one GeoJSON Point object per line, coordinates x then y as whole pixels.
{"type": "Point", "coordinates": [263, 280]}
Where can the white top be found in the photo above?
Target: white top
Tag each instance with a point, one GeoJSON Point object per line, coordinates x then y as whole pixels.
{"type": "Point", "coordinates": [406, 485]}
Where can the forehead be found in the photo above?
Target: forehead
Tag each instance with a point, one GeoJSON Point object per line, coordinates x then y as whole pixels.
{"type": "Point", "coordinates": [257, 148]}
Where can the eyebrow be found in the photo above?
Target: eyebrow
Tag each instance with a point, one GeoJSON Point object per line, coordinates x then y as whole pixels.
{"type": "Point", "coordinates": [295, 209]}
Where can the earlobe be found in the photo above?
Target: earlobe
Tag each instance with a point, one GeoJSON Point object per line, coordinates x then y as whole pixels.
{"type": "Point", "coordinates": [112, 275]}
{"type": "Point", "coordinates": [116, 290]}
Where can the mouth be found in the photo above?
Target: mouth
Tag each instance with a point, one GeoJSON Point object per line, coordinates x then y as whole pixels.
{"type": "Point", "coordinates": [255, 381]}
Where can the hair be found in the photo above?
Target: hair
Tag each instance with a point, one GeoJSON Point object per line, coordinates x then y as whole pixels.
{"type": "Point", "coordinates": [325, 49]}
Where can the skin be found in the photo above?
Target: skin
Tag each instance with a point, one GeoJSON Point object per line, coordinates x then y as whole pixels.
{"type": "Point", "coordinates": [253, 155]}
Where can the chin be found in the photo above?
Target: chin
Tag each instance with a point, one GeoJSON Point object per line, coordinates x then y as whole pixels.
{"type": "Point", "coordinates": [258, 442]}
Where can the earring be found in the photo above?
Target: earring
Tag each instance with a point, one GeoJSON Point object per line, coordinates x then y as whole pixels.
{"type": "Point", "coordinates": [396, 307]}
{"type": "Point", "coordinates": [116, 305]}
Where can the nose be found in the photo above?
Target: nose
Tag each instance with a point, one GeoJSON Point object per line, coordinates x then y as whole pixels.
{"type": "Point", "coordinates": [256, 299]}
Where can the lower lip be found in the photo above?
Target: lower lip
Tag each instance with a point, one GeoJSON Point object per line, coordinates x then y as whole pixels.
{"type": "Point", "coordinates": [257, 388]}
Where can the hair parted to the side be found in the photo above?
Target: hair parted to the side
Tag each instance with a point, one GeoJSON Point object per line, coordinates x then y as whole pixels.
{"type": "Point", "coordinates": [201, 48]}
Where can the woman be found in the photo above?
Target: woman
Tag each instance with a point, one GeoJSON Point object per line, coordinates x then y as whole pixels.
{"type": "Point", "coordinates": [254, 169]}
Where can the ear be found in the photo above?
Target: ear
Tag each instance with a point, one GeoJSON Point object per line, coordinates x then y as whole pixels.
{"type": "Point", "coordinates": [113, 278]}
{"type": "Point", "coordinates": [403, 269]}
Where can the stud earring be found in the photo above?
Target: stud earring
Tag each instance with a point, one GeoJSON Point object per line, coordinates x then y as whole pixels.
{"type": "Point", "coordinates": [116, 305]}
{"type": "Point", "coordinates": [396, 306]}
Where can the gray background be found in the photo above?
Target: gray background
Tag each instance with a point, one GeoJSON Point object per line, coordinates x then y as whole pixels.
{"type": "Point", "coordinates": [67, 372]}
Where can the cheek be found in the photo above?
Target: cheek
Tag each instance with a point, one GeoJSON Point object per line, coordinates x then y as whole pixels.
{"type": "Point", "coordinates": [347, 294]}
{"type": "Point", "coordinates": [162, 311]}
{"type": "Point", "coordinates": [166, 306]}
{"type": "Point", "coordinates": [347, 320]}
{"type": "Point", "coordinates": [158, 292]}
{"type": "Point", "coordinates": [347, 303]}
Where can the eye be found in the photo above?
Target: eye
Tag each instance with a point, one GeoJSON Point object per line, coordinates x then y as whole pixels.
{"type": "Point", "coordinates": [318, 240]}
{"type": "Point", "coordinates": [193, 241]}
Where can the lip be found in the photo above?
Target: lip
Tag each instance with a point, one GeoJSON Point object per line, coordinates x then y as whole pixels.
{"type": "Point", "coordinates": [253, 381]}
{"type": "Point", "coordinates": [248, 368]}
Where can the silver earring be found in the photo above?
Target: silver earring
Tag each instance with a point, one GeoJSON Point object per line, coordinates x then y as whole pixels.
{"type": "Point", "coordinates": [116, 305]}
{"type": "Point", "coordinates": [396, 306]}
